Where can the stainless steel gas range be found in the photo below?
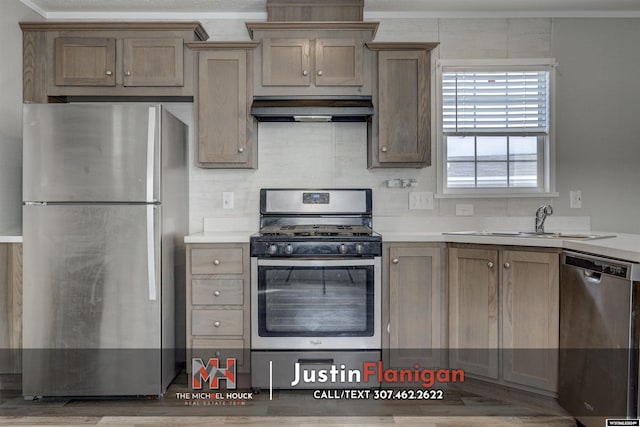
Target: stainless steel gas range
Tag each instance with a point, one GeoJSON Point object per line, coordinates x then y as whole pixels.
{"type": "Point", "coordinates": [315, 289]}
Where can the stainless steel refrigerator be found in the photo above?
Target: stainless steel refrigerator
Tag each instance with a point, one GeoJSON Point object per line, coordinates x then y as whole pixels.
{"type": "Point", "coordinates": [105, 191]}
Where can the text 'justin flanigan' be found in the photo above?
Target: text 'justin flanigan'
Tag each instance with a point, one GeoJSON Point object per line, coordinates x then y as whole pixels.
{"type": "Point", "coordinates": [375, 370]}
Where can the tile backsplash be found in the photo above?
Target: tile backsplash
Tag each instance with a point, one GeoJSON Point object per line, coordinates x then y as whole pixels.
{"type": "Point", "coordinates": [334, 155]}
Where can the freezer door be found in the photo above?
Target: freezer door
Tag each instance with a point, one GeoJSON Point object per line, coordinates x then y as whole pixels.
{"type": "Point", "coordinates": [91, 153]}
{"type": "Point", "coordinates": [92, 317]}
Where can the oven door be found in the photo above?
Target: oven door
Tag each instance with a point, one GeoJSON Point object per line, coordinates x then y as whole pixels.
{"type": "Point", "coordinates": [302, 304]}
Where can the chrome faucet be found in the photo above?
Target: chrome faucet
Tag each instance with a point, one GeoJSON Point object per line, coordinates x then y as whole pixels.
{"type": "Point", "coordinates": [541, 214]}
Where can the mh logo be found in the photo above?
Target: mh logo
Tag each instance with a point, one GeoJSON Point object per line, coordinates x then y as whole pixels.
{"type": "Point", "coordinates": [212, 372]}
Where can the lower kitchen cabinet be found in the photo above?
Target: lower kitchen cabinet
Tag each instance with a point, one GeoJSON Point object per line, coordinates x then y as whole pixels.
{"type": "Point", "coordinates": [10, 308]}
{"type": "Point", "coordinates": [218, 303]}
{"type": "Point", "coordinates": [413, 305]}
{"type": "Point", "coordinates": [504, 315]}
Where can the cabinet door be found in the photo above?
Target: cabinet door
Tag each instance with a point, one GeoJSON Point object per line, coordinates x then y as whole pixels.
{"type": "Point", "coordinates": [530, 318]}
{"type": "Point", "coordinates": [153, 62]}
{"type": "Point", "coordinates": [338, 62]}
{"type": "Point", "coordinates": [473, 311]}
{"type": "Point", "coordinates": [85, 61]}
{"type": "Point", "coordinates": [222, 109]}
{"type": "Point", "coordinates": [415, 306]}
{"type": "Point", "coordinates": [285, 62]}
{"type": "Point", "coordinates": [403, 108]}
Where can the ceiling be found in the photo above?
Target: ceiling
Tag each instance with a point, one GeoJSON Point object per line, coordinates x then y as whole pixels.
{"type": "Point", "coordinates": [374, 9]}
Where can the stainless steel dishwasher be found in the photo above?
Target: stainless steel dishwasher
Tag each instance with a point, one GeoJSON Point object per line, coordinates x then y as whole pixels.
{"type": "Point", "coordinates": [598, 360]}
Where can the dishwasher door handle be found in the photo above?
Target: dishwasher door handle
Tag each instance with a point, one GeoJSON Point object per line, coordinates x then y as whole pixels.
{"type": "Point", "coordinates": [593, 276]}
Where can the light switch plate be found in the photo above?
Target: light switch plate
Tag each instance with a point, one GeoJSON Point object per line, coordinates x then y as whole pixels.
{"type": "Point", "coordinates": [227, 200]}
{"type": "Point", "coordinates": [575, 201]}
{"type": "Point", "coordinates": [464, 210]}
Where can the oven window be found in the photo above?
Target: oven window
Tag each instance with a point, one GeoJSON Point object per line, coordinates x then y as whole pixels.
{"type": "Point", "coordinates": [315, 301]}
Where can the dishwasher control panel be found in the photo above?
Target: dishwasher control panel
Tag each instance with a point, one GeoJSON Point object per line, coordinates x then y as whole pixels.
{"type": "Point", "coordinates": [599, 265]}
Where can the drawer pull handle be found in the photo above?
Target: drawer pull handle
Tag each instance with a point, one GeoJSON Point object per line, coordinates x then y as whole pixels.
{"type": "Point", "coordinates": [108, 72]}
{"type": "Point", "coordinates": [384, 149]}
{"type": "Point", "coordinates": [216, 293]}
{"type": "Point", "coordinates": [305, 72]}
{"type": "Point", "coordinates": [216, 324]}
{"type": "Point", "coordinates": [395, 260]}
{"type": "Point", "coordinates": [216, 262]}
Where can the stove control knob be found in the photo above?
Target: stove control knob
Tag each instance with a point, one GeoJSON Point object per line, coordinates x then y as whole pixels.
{"type": "Point", "coordinates": [342, 249]}
{"type": "Point", "coordinates": [359, 248]}
{"type": "Point", "coordinates": [288, 249]}
{"type": "Point", "coordinates": [272, 249]}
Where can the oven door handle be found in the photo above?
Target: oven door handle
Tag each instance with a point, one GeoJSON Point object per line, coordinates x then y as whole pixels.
{"type": "Point", "coordinates": [288, 262]}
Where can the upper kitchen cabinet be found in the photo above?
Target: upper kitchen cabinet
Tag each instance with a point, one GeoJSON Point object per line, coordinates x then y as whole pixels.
{"type": "Point", "coordinates": [399, 133]}
{"type": "Point", "coordinates": [226, 133]}
{"type": "Point", "coordinates": [313, 58]}
{"type": "Point", "coordinates": [63, 59]}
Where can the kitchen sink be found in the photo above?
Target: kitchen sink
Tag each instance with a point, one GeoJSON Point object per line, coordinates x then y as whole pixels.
{"type": "Point", "coordinates": [531, 234]}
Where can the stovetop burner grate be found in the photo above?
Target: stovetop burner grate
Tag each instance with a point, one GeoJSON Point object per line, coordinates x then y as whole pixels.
{"type": "Point", "coordinates": [315, 230]}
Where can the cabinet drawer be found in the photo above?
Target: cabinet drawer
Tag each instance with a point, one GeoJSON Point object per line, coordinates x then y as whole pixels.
{"type": "Point", "coordinates": [217, 291]}
{"type": "Point", "coordinates": [206, 348]}
{"type": "Point", "coordinates": [217, 322]}
{"type": "Point", "coordinates": [216, 261]}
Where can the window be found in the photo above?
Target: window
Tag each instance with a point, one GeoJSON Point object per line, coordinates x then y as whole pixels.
{"type": "Point", "coordinates": [495, 128]}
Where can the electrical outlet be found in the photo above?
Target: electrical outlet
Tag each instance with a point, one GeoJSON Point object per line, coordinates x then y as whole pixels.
{"type": "Point", "coordinates": [464, 210]}
{"type": "Point", "coordinates": [575, 199]}
{"type": "Point", "coordinates": [227, 200]}
{"type": "Point", "coordinates": [420, 200]}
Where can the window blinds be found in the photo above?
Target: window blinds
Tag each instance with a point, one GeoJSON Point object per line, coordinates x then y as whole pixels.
{"type": "Point", "coordinates": [495, 101]}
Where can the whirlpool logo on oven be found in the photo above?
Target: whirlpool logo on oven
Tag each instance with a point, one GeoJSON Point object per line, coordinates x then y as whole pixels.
{"type": "Point", "coordinates": [212, 372]}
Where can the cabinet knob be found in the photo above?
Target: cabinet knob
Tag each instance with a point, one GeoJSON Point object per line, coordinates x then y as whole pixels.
{"type": "Point", "coordinates": [216, 324]}
{"type": "Point", "coordinates": [490, 264]}
{"type": "Point", "coordinates": [108, 72]}
{"type": "Point", "coordinates": [507, 265]}
{"type": "Point", "coordinates": [240, 150]}
{"type": "Point", "coordinates": [383, 149]}
{"type": "Point", "coordinates": [127, 73]}
{"type": "Point", "coordinates": [216, 262]}
{"type": "Point", "coordinates": [395, 260]}
{"type": "Point", "coordinates": [216, 293]}
{"type": "Point", "coordinates": [320, 72]}
{"type": "Point", "coordinates": [305, 72]}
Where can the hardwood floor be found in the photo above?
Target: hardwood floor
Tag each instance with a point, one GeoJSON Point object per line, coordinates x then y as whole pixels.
{"type": "Point", "coordinates": [473, 404]}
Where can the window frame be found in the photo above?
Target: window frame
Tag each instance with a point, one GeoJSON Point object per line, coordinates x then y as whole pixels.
{"type": "Point", "coordinates": [546, 185]}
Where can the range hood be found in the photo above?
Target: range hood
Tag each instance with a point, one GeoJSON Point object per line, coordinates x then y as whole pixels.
{"type": "Point", "coordinates": [312, 109]}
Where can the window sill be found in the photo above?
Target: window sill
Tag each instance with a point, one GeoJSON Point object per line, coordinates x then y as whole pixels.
{"type": "Point", "coordinates": [495, 195]}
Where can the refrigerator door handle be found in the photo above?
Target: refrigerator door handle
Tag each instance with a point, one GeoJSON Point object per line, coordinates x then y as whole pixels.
{"type": "Point", "coordinates": [151, 253]}
{"type": "Point", "coordinates": [151, 147]}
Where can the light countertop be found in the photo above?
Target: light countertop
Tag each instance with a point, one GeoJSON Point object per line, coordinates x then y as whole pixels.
{"type": "Point", "coordinates": [622, 246]}
{"type": "Point", "coordinates": [10, 236]}
{"type": "Point", "coordinates": [220, 237]}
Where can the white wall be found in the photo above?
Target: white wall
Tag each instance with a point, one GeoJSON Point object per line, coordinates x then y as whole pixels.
{"type": "Point", "coordinates": [597, 110]}
{"type": "Point", "coordinates": [334, 155]}
{"type": "Point", "coordinates": [12, 12]}
{"type": "Point", "coordinates": [597, 148]}
{"type": "Point", "coordinates": [598, 133]}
